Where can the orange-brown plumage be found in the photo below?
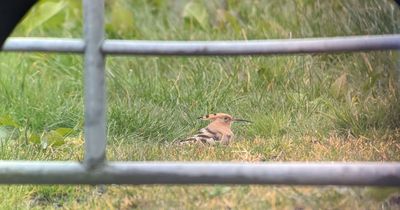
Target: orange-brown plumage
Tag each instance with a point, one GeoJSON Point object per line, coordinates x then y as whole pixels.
{"type": "Point", "coordinates": [218, 131]}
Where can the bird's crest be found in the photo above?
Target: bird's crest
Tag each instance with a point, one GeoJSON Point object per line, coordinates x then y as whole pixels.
{"type": "Point", "coordinates": [215, 116]}
{"type": "Point", "coordinates": [224, 116]}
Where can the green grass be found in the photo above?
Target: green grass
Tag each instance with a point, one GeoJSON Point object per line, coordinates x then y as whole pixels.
{"type": "Point", "coordinates": [330, 107]}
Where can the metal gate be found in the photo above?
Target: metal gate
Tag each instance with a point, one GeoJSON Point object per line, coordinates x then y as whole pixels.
{"type": "Point", "coordinates": [96, 170]}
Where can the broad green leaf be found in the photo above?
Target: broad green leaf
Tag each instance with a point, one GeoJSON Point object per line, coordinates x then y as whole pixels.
{"type": "Point", "coordinates": [7, 120]}
{"type": "Point", "coordinates": [51, 138]}
{"type": "Point", "coordinates": [42, 12]}
{"type": "Point", "coordinates": [196, 12]}
{"type": "Point", "coordinates": [122, 20]}
{"type": "Point", "coordinates": [65, 131]}
{"type": "Point", "coordinates": [34, 138]}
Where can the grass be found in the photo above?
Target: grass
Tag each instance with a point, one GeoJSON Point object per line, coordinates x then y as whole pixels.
{"type": "Point", "coordinates": [330, 107]}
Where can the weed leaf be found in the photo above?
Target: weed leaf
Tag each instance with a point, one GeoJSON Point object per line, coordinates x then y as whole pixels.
{"type": "Point", "coordinates": [64, 132]}
{"type": "Point", "coordinates": [41, 13]}
{"type": "Point", "coordinates": [195, 12]}
{"type": "Point", "coordinates": [51, 138]}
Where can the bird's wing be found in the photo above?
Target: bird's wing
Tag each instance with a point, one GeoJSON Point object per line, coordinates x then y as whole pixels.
{"type": "Point", "coordinates": [204, 136]}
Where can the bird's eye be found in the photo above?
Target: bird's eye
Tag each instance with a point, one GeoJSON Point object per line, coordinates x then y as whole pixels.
{"type": "Point", "coordinates": [226, 118]}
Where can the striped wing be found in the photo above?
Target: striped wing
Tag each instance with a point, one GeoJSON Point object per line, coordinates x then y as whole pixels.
{"type": "Point", "coordinates": [204, 136]}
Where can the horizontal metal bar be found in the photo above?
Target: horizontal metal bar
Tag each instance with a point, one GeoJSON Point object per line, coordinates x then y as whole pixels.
{"type": "Point", "coordinates": [254, 47]}
{"type": "Point", "coordinates": [251, 47]}
{"type": "Point", "coordinates": [44, 45]}
{"type": "Point", "coordinates": [290, 173]}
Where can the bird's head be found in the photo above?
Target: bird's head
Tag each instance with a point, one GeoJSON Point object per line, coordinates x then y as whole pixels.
{"type": "Point", "coordinates": [222, 118]}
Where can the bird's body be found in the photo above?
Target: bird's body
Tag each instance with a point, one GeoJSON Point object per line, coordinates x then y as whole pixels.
{"type": "Point", "coordinates": [218, 131]}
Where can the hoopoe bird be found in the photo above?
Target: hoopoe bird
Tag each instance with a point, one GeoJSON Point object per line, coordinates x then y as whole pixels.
{"type": "Point", "coordinates": [218, 131]}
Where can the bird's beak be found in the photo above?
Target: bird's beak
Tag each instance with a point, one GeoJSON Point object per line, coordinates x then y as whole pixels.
{"type": "Point", "coordinates": [241, 120]}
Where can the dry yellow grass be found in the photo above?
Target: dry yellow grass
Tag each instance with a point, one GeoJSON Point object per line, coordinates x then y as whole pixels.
{"type": "Point", "coordinates": [307, 148]}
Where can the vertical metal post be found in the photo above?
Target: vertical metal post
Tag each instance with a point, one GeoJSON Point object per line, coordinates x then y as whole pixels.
{"type": "Point", "coordinates": [398, 70]}
{"type": "Point", "coordinates": [95, 99]}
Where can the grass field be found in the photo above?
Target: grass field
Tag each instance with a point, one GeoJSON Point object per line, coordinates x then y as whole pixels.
{"type": "Point", "coordinates": [341, 107]}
